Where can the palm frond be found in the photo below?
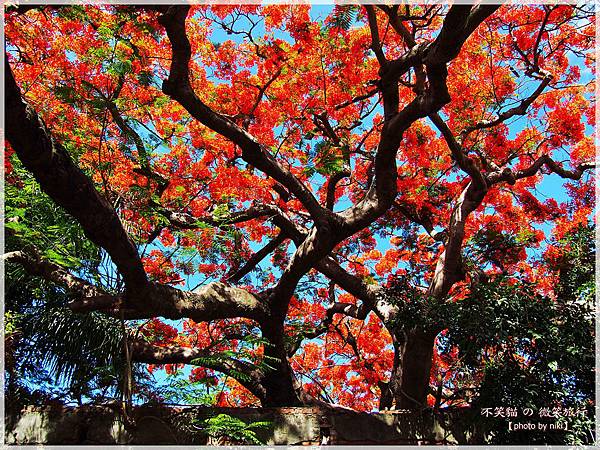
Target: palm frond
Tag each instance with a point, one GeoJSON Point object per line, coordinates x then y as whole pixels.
{"type": "Point", "coordinates": [66, 342]}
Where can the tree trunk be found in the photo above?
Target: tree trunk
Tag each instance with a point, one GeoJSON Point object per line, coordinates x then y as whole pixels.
{"type": "Point", "coordinates": [409, 382]}
{"type": "Point", "coordinates": [279, 383]}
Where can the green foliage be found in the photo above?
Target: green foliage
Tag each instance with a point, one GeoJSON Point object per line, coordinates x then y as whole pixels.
{"type": "Point", "coordinates": [145, 78]}
{"type": "Point", "coordinates": [33, 219]}
{"type": "Point", "coordinates": [119, 67]}
{"type": "Point", "coordinates": [243, 354]}
{"type": "Point", "coordinates": [325, 159]}
{"type": "Point", "coordinates": [11, 321]}
{"type": "Point", "coordinates": [72, 12]}
{"type": "Point", "coordinates": [517, 347]}
{"type": "Point", "coordinates": [66, 94]}
{"type": "Point", "coordinates": [415, 308]}
{"type": "Point", "coordinates": [531, 350]}
{"type": "Point", "coordinates": [68, 343]}
{"type": "Point", "coordinates": [55, 346]}
{"type": "Point", "coordinates": [498, 247]}
{"type": "Point", "coordinates": [180, 390]}
{"type": "Point", "coordinates": [234, 430]}
{"type": "Point", "coordinates": [343, 16]}
{"type": "Point", "coordinates": [54, 352]}
{"type": "Point", "coordinates": [576, 267]}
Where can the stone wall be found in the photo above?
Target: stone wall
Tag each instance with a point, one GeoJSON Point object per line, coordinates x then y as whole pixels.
{"type": "Point", "coordinates": [175, 425]}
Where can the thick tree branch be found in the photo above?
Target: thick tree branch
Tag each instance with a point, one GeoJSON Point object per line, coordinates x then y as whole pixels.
{"type": "Point", "coordinates": [331, 187]}
{"type": "Point", "coordinates": [397, 25]}
{"type": "Point", "coordinates": [152, 354]}
{"type": "Point", "coordinates": [178, 87]}
{"type": "Point", "coordinates": [398, 67]}
{"type": "Point", "coordinates": [317, 244]}
{"type": "Point", "coordinates": [88, 296]}
{"type": "Point", "coordinates": [463, 161]}
{"type": "Point", "coordinates": [69, 187]}
{"type": "Point", "coordinates": [348, 309]}
{"type": "Point", "coordinates": [359, 312]}
{"type": "Point", "coordinates": [323, 124]}
{"type": "Point", "coordinates": [211, 302]}
{"type": "Point", "coordinates": [350, 283]}
{"type": "Point", "coordinates": [375, 41]}
{"type": "Point", "coordinates": [369, 294]}
{"type": "Point", "coordinates": [478, 14]}
{"type": "Point", "coordinates": [558, 169]}
{"type": "Point", "coordinates": [320, 240]}
{"type": "Point", "coordinates": [458, 24]}
{"type": "Point", "coordinates": [189, 222]}
{"type": "Point", "coordinates": [511, 176]}
{"type": "Point", "coordinates": [449, 267]}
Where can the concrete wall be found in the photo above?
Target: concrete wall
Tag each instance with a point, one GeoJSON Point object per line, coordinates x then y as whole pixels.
{"type": "Point", "coordinates": [290, 426]}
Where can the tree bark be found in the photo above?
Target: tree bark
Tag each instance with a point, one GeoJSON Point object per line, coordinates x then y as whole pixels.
{"type": "Point", "coordinates": [280, 388]}
{"type": "Point", "coordinates": [409, 381]}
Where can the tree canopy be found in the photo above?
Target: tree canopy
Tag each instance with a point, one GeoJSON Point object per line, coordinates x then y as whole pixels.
{"type": "Point", "coordinates": [368, 206]}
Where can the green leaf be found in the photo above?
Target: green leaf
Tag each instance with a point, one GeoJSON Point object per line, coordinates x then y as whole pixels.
{"type": "Point", "coordinates": [18, 227]}
{"type": "Point", "coordinates": [343, 16]}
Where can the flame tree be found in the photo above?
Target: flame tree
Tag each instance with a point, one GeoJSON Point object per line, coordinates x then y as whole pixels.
{"type": "Point", "coordinates": [320, 200]}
